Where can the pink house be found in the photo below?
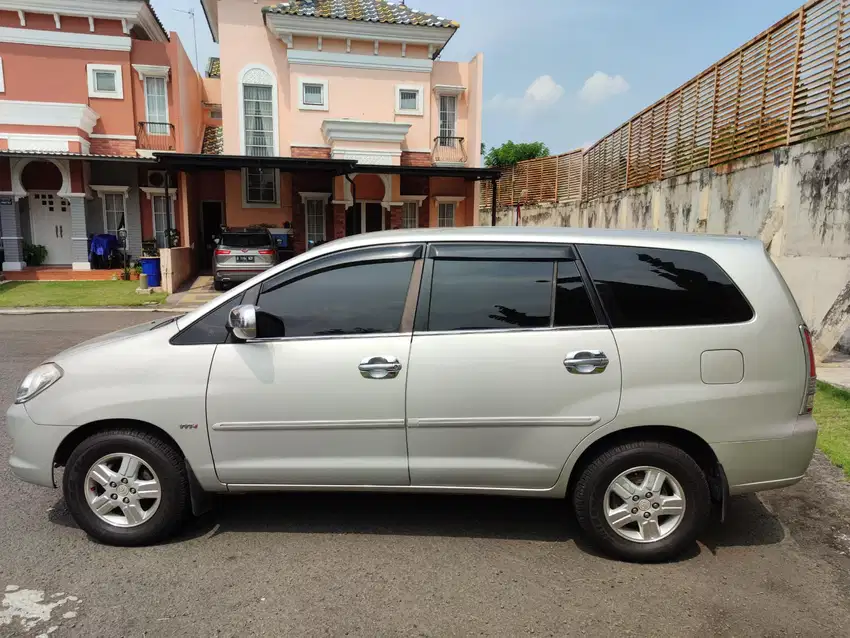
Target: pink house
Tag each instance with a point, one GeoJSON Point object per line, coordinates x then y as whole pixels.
{"type": "Point", "coordinates": [89, 91]}
{"type": "Point", "coordinates": [339, 118]}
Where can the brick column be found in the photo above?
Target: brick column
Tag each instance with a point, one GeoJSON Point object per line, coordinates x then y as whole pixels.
{"type": "Point", "coordinates": [395, 218]}
{"type": "Point", "coordinates": [338, 221]}
{"type": "Point", "coordinates": [79, 234]}
{"type": "Point", "coordinates": [13, 238]}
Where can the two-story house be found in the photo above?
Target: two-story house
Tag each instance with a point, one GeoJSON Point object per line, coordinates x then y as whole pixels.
{"type": "Point", "coordinates": [89, 91]}
{"type": "Point", "coordinates": [339, 118]}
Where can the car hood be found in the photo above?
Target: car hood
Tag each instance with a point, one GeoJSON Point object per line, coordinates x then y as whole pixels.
{"type": "Point", "coordinates": [118, 335]}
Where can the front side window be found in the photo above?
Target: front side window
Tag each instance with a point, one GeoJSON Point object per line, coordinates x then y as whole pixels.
{"type": "Point", "coordinates": [654, 287]}
{"type": "Point", "coordinates": [315, 210]}
{"type": "Point", "coordinates": [156, 101]}
{"type": "Point", "coordinates": [113, 212]}
{"type": "Point", "coordinates": [446, 215]}
{"type": "Point", "coordinates": [258, 108]}
{"type": "Point", "coordinates": [161, 210]}
{"type": "Point", "coordinates": [409, 215]}
{"type": "Point", "coordinates": [260, 185]}
{"type": "Point", "coordinates": [490, 295]}
{"type": "Point", "coordinates": [358, 299]}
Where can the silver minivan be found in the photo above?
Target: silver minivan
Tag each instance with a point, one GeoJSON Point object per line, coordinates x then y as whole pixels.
{"type": "Point", "coordinates": [241, 254]}
{"type": "Point", "coordinates": [641, 377]}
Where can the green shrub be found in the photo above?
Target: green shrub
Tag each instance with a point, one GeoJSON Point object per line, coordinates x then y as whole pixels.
{"type": "Point", "coordinates": [35, 254]}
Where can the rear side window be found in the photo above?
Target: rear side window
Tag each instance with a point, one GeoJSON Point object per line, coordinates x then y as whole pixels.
{"type": "Point", "coordinates": [245, 240]}
{"type": "Point", "coordinates": [480, 294]}
{"type": "Point", "coordinates": [652, 287]}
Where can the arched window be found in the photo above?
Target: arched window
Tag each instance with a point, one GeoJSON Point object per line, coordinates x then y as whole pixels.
{"type": "Point", "coordinates": [259, 111]}
{"type": "Point", "coordinates": [259, 134]}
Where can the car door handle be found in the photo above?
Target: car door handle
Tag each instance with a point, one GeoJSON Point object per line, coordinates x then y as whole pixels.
{"type": "Point", "coordinates": [586, 362]}
{"type": "Point", "coordinates": [379, 368]}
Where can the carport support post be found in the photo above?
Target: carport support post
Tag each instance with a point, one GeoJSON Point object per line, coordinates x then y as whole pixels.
{"type": "Point", "coordinates": [167, 212]}
{"type": "Point", "coordinates": [495, 184]}
{"type": "Point", "coordinates": [354, 216]}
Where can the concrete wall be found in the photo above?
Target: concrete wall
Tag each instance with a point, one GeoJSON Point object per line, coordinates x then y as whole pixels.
{"type": "Point", "coordinates": [795, 199]}
{"type": "Point", "coordinates": [175, 266]}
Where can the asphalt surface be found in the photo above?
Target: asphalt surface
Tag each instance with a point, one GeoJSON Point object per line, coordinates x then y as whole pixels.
{"type": "Point", "coordinates": [369, 565]}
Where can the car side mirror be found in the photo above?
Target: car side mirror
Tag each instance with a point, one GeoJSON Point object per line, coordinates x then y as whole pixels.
{"type": "Point", "coordinates": [242, 322]}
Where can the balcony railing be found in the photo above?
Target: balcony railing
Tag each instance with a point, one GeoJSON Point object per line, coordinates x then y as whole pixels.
{"type": "Point", "coordinates": [156, 136]}
{"type": "Point", "coordinates": [449, 150]}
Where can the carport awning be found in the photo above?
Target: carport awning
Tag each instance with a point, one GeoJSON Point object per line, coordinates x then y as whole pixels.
{"type": "Point", "coordinates": [190, 162]}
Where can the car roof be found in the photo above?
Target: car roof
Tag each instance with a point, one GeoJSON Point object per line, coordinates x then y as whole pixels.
{"type": "Point", "coordinates": [531, 234]}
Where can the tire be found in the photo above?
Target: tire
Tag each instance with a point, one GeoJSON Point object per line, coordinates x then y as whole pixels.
{"type": "Point", "coordinates": [670, 536]}
{"type": "Point", "coordinates": [160, 518]}
{"type": "Point", "coordinates": [218, 285]}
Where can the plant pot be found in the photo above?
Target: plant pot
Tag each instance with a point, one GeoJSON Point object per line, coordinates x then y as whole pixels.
{"type": "Point", "coordinates": [134, 276]}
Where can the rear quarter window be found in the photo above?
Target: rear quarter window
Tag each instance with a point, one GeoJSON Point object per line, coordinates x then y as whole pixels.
{"type": "Point", "coordinates": [655, 287]}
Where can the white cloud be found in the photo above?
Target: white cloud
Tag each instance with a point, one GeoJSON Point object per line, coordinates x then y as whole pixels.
{"type": "Point", "coordinates": [540, 94]}
{"type": "Point", "coordinates": [600, 86]}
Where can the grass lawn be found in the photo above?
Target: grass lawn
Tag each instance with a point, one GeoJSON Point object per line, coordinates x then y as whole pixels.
{"type": "Point", "coordinates": [832, 412]}
{"type": "Point", "coordinates": [74, 293]}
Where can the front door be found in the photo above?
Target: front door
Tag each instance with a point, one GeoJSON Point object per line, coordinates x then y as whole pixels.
{"type": "Point", "coordinates": [510, 367]}
{"type": "Point", "coordinates": [211, 218]}
{"type": "Point", "coordinates": [373, 217]}
{"type": "Point", "coordinates": [318, 398]}
{"type": "Point", "coordinates": [50, 219]}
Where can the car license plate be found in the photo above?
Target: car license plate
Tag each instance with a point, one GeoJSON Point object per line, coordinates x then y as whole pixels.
{"type": "Point", "coordinates": [241, 259]}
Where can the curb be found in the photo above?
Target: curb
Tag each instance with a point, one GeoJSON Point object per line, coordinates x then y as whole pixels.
{"type": "Point", "coordinates": [71, 310]}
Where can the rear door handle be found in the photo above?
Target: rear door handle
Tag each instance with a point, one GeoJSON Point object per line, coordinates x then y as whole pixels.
{"type": "Point", "coordinates": [379, 368]}
{"type": "Point", "coordinates": [586, 362]}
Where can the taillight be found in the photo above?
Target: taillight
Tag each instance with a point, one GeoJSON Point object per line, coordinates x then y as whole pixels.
{"type": "Point", "coordinates": [219, 251]}
{"type": "Point", "coordinates": [811, 372]}
{"type": "Point", "coordinates": [266, 252]}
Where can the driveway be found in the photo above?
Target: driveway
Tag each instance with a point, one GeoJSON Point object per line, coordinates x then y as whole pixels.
{"type": "Point", "coordinates": [364, 565]}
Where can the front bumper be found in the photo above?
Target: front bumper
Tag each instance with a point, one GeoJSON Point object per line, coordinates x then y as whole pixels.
{"type": "Point", "coordinates": [753, 466]}
{"type": "Point", "coordinates": [33, 446]}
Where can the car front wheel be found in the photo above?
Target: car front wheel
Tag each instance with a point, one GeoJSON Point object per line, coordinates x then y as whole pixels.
{"type": "Point", "coordinates": [644, 502]}
{"type": "Point", "coordinates": [125, 487]}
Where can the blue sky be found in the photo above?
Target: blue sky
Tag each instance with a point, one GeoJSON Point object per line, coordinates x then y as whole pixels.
{"type": "Point", "coordinates": [566, 72]}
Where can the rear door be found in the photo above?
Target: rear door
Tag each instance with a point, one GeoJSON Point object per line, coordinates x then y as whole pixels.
{"type": "Point", "coordinates": [511, 365]}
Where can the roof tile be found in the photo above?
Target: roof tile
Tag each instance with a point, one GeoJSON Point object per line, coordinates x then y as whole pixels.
{"type": "Point", "coordinates": [361, 10]}
{"type": "Point", "coordinates": [213, 141]}
{"type": "Point", "coordinates": [214, 68]}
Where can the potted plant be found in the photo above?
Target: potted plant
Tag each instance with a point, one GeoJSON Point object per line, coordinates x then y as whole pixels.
{"type": "Point", "coordinates": [149, 248]}
{"type": "Point", "coordinates": [172, 237]}
{"type": "Point", "coordinates": [34, 254]}
{"type": "Point", "coordinates": [135, 271]}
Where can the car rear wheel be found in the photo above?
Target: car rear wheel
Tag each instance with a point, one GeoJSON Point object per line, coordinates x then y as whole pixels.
{"type": "Point", "coordinates": [125, 487]}
{"type": "Point", "coordinates": [218, 285]}
{"type": "Point", "coordinates": [644, 502]}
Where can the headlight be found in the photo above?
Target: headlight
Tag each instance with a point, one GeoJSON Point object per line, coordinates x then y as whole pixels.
{"type": "Point", "coordinates": [38, 381]}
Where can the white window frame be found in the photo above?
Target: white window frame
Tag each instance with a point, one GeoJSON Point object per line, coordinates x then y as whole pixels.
{"type": "Point", "coordinates": [118, 93]}
{"type": "Point", "coordinates": [420, 99]}
{"type": "Point", "coordinates": [313, 107]}
{"type": "Point", "coordinates": [103, 191]}
{"type": "Point", "coordinates": [271, 80]}
{"type": "Point", "coordinates": [2, 80]}
{"type": "Point", "coordinates": [169, 213]}
{"type": "Point", "coordinates": [453, 207]}
{"type": "Point", "coordinates": [315, 197]}
{"type": "Point", "coordinates": [415, 200]}
{"type": "Point", "coordinates": [247, 204]}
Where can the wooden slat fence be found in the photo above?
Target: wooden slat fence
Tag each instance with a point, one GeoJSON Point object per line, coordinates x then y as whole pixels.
{"type": "Point", "coordinates": [788, 84]}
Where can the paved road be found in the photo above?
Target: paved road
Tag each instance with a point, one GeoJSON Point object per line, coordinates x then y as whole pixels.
{"type": "Point", "coordinates": [358, 565]}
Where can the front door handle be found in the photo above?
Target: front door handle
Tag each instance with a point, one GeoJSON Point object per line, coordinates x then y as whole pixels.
{"type": "Point", "coordinates": [379, 368]}
{"type": "Point", "coordinates": [56, 230]}
{"type": "Point", "coordinates": [586, 362]}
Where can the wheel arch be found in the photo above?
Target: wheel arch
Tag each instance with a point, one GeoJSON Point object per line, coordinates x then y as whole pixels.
{"type": "Point", "coordinates": [80, 434]}
{"type": "Point", "coordinates": [693, 444]}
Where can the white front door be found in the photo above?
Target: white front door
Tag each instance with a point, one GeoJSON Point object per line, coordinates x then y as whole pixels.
{"type": "Point", "coordinates": [50, 221]}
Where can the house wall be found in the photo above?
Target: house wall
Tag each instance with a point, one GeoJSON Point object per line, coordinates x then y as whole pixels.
{"type": "Point", "coordinates": [237, 214]}
{"type": "Point", "coordinates": [71, 24]}
{"type": "Point", "coordinates": [795, 199]}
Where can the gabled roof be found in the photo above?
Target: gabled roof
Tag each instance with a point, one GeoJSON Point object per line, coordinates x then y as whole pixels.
{"type": "Point", "coordinates": [361, 10]}
{"type": "Point", "coordinates": [213, 141]}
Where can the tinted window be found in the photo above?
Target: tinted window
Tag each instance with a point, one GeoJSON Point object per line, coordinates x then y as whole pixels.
{"type": "Point", "coordinates": [657, 287]}
{"type": "Point", "coordinates": [572, 304]}
{"type": "Point", "coordinates": [359, 299]}
{"type": "Point", "coordinates": [474, 295]}
{"type": "Point", "coordinates": [211, 328]}
{"type": "Point", "coordinates": [245, 240]}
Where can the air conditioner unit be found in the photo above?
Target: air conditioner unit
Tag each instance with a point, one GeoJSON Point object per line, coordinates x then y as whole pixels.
{"type": "Point", "coordinates": [156, 179]}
